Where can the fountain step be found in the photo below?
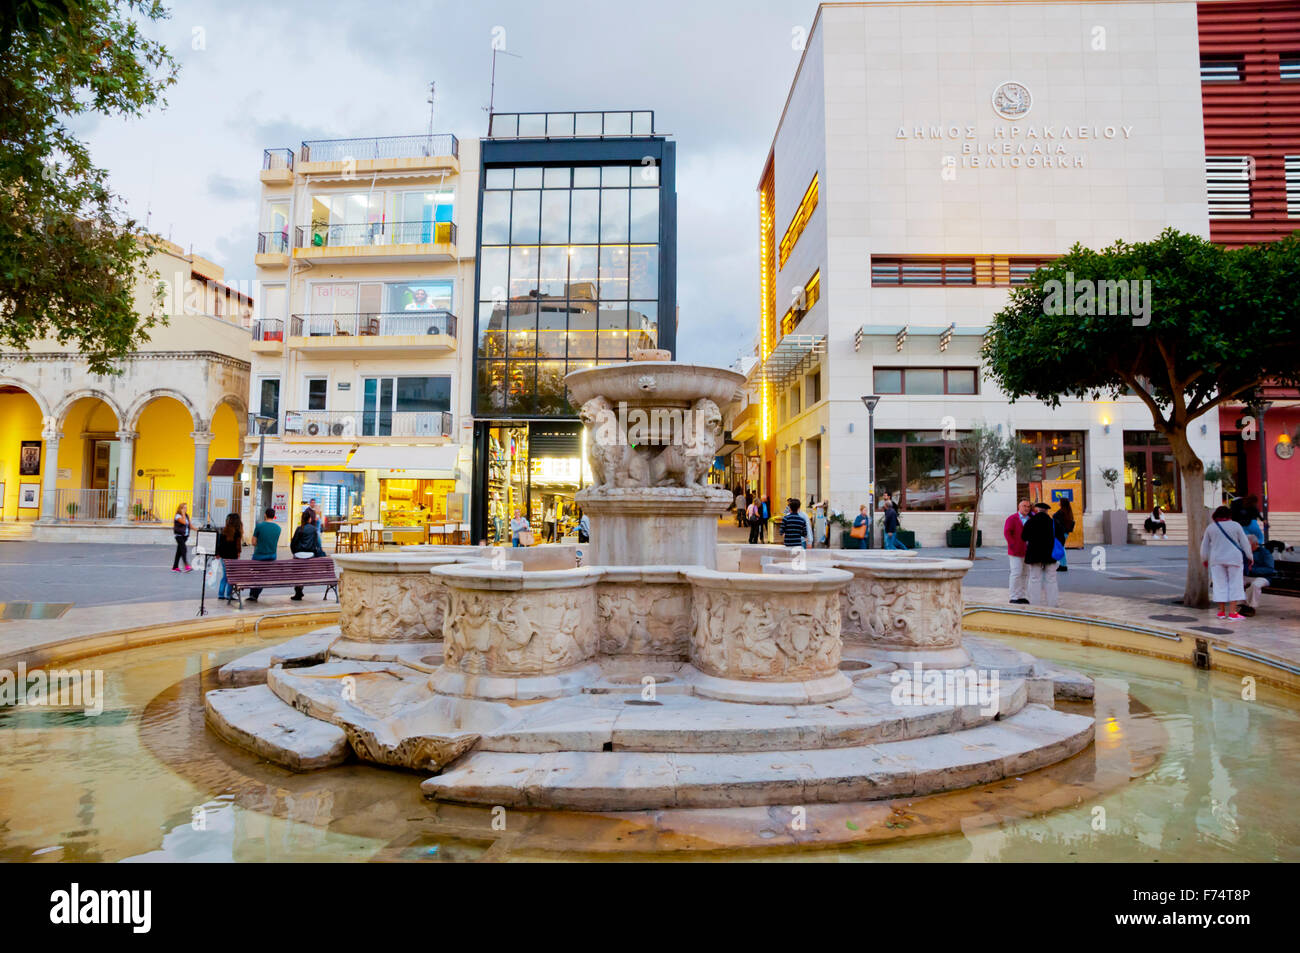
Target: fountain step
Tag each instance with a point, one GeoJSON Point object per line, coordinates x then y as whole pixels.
{"type": "Point", "coordinates": [304, 650]}
{"type": "Point", "coordinates": [625, 781]}
{"type": "Point", "coordinates": [687, 724]}
{"type": "Point", "coordinates": [256, 719]}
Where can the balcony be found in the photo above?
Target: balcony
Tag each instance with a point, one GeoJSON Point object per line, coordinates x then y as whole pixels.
{"type": "Point", "coordinates": [377, 242]}
{"type": "Point", "coordinates": [373, 426]}
{"type": "Point", "coordinates": [353, 157]}
{"type": "Point", "coordinates": [355, 335]}
{"type": "Point", "coordinates": [608, 124]}
{"type": "Point", "coordinates": [272, 249]}
{"type": "Point", "coordinates": [277, 167]}
{"type": "Point", "coordinates": [268, 336]}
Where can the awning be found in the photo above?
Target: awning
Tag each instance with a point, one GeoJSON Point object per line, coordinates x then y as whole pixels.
{"type": "Point", "coordinates": [303, 455]}
{"type": "Point", "coordinates": [225, 467]}
{"type": "Point", "coordinates": [793, 356]}
{"type": "Point", "coordinates": [433, 463]}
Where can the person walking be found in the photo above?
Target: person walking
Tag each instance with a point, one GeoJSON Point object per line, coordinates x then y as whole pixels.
{"type": "Point", "coordinates": [1039, 535]}
{"type": "Point", "coordinates": [306, 540]}
{"type": "Point", "coordinates": [584, 528]}
{"type": "Point", "coordinates": [861, 527]}
{"type": "Point", "coordinates": [1016, 553]}
{"type": "Point", "coordinates": [754, 516]}
{"type": "Point", "coordinates": [794, 528]}
{"type": "Point", "coordinates": [738, 504]}
{"type": "Point", "coordinates": [765, 517]}
{"type": "Point", "coordinates": [230, 541]}
{"type": "Point", "coordinates": [266, 541]}
{"type": "Point", "coordinates": [891, 526]}
{"type": "Point", "coordinates": [1063, 520]}
{"type": "Point", "coordinates": [181, 533]}
{"type": "Point", "coordinates": [519, 526]}
{"type": "Point", "coordinates": [1225, 551]}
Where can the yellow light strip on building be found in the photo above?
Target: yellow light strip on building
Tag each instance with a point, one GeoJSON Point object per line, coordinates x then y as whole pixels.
{"type": "Point", "coordinates": [765, 236]}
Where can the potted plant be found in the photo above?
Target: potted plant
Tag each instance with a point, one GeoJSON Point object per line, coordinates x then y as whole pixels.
{"type": "Point", "coordinates": [958, 534]}
{"type": "Point", "coordinates": [72, 510]}
{"type": "Point", "coordinates": [1216, 474]}
{"type": "Point", "coordinates": [1114, 522]}
{"type": "Point", "coordinates": [138, 510]}
{"type": "Point", "coordinates": [839, 519]}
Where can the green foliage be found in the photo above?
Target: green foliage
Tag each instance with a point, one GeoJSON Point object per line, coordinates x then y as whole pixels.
{"type": "Point", "coordinates": [1220, 322]}
{"type": "Point", "coordinates": [963, 522]}
{"type": "Point", "coordinates": [1110, 477]}
{"type": "Point", "coordinates": [990, 456]}
{"type": "Point", "coordinates": [1216, 474]}
{"type": "Point", "coordinates": [69, 256]}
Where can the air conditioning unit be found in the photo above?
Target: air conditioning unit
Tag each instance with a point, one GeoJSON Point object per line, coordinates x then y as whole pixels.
{"type": "Point", "coordinates": [336, 428]}
{"type": "Point", "coordinates": [313, 428]}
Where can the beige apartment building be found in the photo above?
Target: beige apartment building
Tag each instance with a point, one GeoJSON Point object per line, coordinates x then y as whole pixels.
{"type": "Point", "coordinates": [365, 264]}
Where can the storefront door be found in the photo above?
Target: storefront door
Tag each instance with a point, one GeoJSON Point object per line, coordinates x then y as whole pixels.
{"type": "Point", "coordinates": [1151, 479]}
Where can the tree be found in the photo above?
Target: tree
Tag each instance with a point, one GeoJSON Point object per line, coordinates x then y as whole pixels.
{"type": "Point", "coordinates": [1179, 322]}
{"type": "Point", "coordinates": [69, 256]}
{"type": "Point", "coordinates": [989, 456]}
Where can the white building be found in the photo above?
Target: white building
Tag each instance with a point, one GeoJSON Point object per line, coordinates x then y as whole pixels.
{"type": "Point", "coordinates": [928, 155]}
{"type": "Point", "coordinates": [366, 267]}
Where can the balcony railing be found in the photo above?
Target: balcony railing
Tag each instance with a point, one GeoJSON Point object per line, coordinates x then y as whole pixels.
{"type": "Point", "coordinates": [607, 124]}
{"type": "Point", "coordinates": [273, 242]}
{"type": "Point", "coordinates": [370, 423]}
{"type": "Point", "coordinates": [384, 147]}
{"type": "Point", "coordinates": [277, 159]}
{"type": "Point", "coordinates": [380, 324]}
{"type": "Point", "coordinates": [375, 233]}
{"type": "Point", "coordinates": [268, 329]}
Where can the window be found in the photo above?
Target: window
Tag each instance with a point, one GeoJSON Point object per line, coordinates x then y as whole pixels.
{"type": "Point", "coordinates": [1019, 269]}
{"type": "Point", "coordinates": [1289, 66]}
{"type": "Point", "coordinates": [920, 469]}
{"type": "Point", "coordinates": [1227, 180]}
{"type": "Point", "coordinates": [382, 218]}
{"type": "Point", "coordinates": [405, 406]}
{"type": "Point", "coordinates": [1058, 455]}
{"type": "Point", "coordinates": [317, 393]}
{"type": "Point", "coordinates": [813, 387]}
{"type": "Point", "coordinates": [806, 297]}
{"type": "Point", "coordinates": [1292, 186]}
{"type": "Point", "coordinates": [913, 272]}
{"type": "Point", "coordinates": [1223, 69]}
{"type": "Point", "coordinates": [801, 215]}
{"type": "Point", "coordinates": [569, 276]}
{"type": "Point", "coordinates": [926, 380]}
{"type": "Point", "coordinates": [269, 404]}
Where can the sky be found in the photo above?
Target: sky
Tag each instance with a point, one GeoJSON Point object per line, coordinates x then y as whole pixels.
{"type": "Point", "coordinates": [257, 75]}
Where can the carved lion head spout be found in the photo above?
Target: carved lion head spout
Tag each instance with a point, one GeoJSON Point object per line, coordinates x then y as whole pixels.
{"type": "Point", "coordinates": [647, 384]}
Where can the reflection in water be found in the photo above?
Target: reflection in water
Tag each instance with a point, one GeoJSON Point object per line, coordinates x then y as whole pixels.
{"type": "Point", "coordinates": [151, 783]}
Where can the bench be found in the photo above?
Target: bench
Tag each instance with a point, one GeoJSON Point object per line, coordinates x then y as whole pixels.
{"type": "Point", "coordinates": [244, 574]}
{"type": "Point", "coordinates": [1286, 581]}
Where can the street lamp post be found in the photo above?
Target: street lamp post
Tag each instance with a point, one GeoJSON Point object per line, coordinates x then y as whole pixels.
{"type": "Point", "coordinates": [871, 400]}
{"type": "Point", "coordinates": [259, 423]}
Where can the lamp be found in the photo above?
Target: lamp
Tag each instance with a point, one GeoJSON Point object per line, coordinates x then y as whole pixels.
{"type": "Point", "coordinates": [258, 423]}
{"type": "Point", "coordinates": [871, 400]}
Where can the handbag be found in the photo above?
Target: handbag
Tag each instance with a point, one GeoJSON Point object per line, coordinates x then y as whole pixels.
{"type": "Point", "coordinates": [1058, 550]}
{"type": "Point", "coordinates": [526, 537]}
{"type": "Point", "coordinates": [859, 531]}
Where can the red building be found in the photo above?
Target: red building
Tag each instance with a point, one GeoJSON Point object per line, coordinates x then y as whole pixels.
{"type": "Point", "coordinates": [1250, 94]}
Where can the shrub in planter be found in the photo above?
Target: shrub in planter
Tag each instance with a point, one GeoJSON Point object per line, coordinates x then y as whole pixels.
{"type": "Point", "coordinates": [958, 535]}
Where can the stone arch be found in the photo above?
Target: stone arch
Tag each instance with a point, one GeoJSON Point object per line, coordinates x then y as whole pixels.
{"type": "Point", "coordinates": [31, 392]}
{"type": "Point", "coordinates": [240, 408]}
{"type": "Point", "coordinates": [145, 399]}
{"type": "Point", "coordinates": [61, 412]}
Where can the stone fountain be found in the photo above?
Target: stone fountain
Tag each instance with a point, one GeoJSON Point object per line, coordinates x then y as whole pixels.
{"type": "Point", "coordinates": [657, 668]}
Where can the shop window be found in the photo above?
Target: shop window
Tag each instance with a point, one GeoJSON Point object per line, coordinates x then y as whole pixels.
{"type": "Point", "coordinates": [920, 470]}
{"type": "Point", "coordinates": [1058, 455]}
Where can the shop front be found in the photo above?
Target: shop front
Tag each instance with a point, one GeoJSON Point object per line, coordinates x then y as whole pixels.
{"type": "Point", "coordinates": [535, 468]}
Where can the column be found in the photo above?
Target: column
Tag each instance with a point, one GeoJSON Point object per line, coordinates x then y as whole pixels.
{"type": "Point", "coordinates": [199, 508]}
{"type": "Point", "coordinates": [50, 476]}
{"type": "Point", "coordinates": [125, 473]}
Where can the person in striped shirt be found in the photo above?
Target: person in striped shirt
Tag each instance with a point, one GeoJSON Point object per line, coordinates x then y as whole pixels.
{"type": "Point", "coordinates": [794, 527]}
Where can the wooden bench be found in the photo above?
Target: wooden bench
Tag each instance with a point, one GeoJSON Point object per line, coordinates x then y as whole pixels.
{"type": "Point", "coordinates": [1286, 581]}
{"type": "Point", "coordinates": [244, 574]}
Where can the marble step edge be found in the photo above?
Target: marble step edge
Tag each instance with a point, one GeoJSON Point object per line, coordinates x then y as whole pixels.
{"type": "Point", "coordinates": [255, 719]}
{"type": "Point", "coordinates": [306, 649]}
{"type": "Point", "coordinates": [684, 729]}
{"type": "Point", "coordinates": [626, 781]}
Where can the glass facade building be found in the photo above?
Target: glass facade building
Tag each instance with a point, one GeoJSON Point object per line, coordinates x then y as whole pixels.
{"type": "Point", "coordinates": [576, 267]}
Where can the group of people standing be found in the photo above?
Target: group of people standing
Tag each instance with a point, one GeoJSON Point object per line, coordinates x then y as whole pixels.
{"type": "Point", "coordinates": [1035, 538]}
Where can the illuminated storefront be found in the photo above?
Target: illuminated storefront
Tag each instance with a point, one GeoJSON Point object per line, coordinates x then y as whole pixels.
{"type": "Point", "coordinates": [576, 267]}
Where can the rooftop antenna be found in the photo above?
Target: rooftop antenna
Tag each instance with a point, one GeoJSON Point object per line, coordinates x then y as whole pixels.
{"type": "Point", "coordinates": [492, 94]}
{"type": "Point", "coordinates": [433, 89]}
